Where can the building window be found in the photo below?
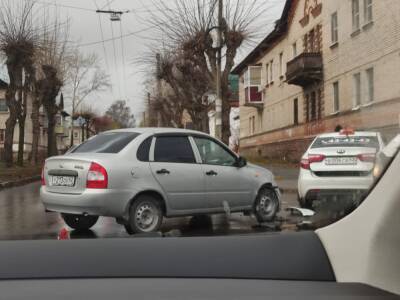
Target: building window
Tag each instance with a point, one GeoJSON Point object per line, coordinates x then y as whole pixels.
{"type": "Point", "coordinates": [271, 71]}
{"type": "Point", "coordinates": [355, 11]}
{"type": "Point", "coordinates": [357, 89]}
{"type": "Point", "coordinates": [296, 111]}
{"type": "Point", "coordinates": [370, 85]}
{"type": "Point", "coordinates": [252, 84]}
{"type": "Point", "coordinates": [336, 97]}
{"type": "Point", "coordinates": [2, 133]}
{"type": "Point", "coordinates": [252, 125]}
{"type": "Point", "coordinates": [281, 64]}
{"type": "Point", "coordinates": [334, 28]}
{"type": "Point", "coordinates": [311, 41]}
{"type": "Point", "coordinates": [76, 135]}
{"type": "Point", "coordinates": [3, 105]}
{"type": "Point", "coordinates": [294, 49]}
{"type": "Point", "coordinates": [367, 11]}
{"type": "Point", "coordinates": [313, 106]}
{"type": "Point", "coordinates": [267, 73]}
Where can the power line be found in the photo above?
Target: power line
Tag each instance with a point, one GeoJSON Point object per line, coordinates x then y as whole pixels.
{"type": "Point", "coordinates": [66, 6]}
{"type": "Point", "coordinates": [116, 38]}
{"type": "Point", "coordinates": [104, 45]}
{"type": "Point", "coordinates": [123, 58]}
{"type": "Point", "coordinates": [115, 54]}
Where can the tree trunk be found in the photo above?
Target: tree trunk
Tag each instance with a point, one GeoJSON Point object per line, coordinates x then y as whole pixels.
{"type": "Point", "coordinates": [21, 142]}
{"type": "Point", "coordinates": [23, 96]}
{"type": "Point", "coordinates": [226, 130]}
{"type": "Point", "coordinates": [51, 135]}
{"type": "Point", "coordinates": [9, 139]}
{"type": "Point", "coordinates": [35, 131]}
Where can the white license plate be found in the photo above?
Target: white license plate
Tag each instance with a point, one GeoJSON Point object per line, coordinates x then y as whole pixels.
{"type": "Point", "coordinates": [68, 181]}
{"type": "Point", "coordinates": [341, 161]}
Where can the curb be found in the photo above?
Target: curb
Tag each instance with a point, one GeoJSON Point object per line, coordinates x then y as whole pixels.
{"type": "Point", "coordinates": [11, 184]}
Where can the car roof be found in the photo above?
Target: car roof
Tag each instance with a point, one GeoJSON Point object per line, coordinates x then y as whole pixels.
{"type": "Point", "coordinates": [154, 130]}
{"type": "Point", "coordinates": [356, 133]}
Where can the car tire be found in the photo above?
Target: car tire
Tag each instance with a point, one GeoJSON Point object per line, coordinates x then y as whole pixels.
{"type": "Point", "coordinates": [266, 205]}
{"type": "Point", "coordinates": [79, 222]}
{"type": "Point", "coordinates": [145, 215]}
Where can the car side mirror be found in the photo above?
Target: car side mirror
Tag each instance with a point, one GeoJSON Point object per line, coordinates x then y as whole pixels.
{"type": "Point", "coordinates": [241, 162]}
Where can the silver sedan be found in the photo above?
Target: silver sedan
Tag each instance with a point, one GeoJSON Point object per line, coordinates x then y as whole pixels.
{"type": "Point", "coordinates": [139, 176]}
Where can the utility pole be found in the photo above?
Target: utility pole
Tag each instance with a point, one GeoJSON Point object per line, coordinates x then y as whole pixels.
{"type": "Point", "coordinates": [218, 101]}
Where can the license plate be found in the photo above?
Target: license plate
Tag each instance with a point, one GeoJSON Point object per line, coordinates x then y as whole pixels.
{"type": "Point", "coordinates": [68, 181]}
{"type": "Point", "coordinates": [341, 161]}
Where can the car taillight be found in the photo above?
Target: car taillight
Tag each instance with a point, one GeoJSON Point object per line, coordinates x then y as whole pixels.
{"type": "Point", "coordinates": [366, 157]}
{"type": "Point", "coordinates": [43, 181]}
{"type": "Point", "coordinates": [312, 158]}
{"type": "Point", "coordinates": [97, 177]}
{"type": "Point", "coordinates": [305, 164]}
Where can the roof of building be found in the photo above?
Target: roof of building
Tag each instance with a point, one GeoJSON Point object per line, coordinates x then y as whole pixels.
{"type": "Point", "coordinates": [279, 30]}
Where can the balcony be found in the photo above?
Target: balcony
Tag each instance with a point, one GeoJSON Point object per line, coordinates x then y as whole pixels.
{"type": "Point", "coordinates": [253, 97]}
{"type": "Point", "coordinates": [305, 69]}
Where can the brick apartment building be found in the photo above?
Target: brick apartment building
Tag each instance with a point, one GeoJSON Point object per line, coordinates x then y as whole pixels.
{"type": "Point", "coordinates": [326, 63]}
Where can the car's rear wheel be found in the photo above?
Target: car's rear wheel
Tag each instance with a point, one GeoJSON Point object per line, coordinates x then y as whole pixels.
{"type": "Point", "coordinates": [267, 205]}
{"type": "Point", "coordinates": [145, 215]}
{"type": "Point", "coordinates": [79, 222]}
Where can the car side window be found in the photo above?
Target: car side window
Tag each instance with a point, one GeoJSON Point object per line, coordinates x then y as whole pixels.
{"type": "Point", "coordinates": [144, 150]}
{"type": "Point", "coordinates": [173, 149]}
{"type": "Point", "coordinates": [214, 154]}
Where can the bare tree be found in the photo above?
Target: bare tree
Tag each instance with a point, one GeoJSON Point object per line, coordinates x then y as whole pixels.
{"type": "Point", "coordinates": [18, 44]}
{"type": "Point", "coordinates": [187, 26]}
{"type": "Point", "coordinates": [85, 78]}
{"type": "Point", "coordinates": [121, 113]}
{"type": "Point", "coordinates": [52, 68]}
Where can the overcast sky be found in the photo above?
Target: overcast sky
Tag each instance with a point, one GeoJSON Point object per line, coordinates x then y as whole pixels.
{"type": "Point", "coordinates": [127, 80]}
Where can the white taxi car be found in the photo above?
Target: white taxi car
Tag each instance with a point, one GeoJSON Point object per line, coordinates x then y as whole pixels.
{"type": "Point", "coordinates": [338, 163]}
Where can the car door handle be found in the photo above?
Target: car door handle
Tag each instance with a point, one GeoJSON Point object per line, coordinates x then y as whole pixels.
{"type": "Point", "coordinates": [211, 173]}
{"type": "Point", "coordinates": [163, 172]}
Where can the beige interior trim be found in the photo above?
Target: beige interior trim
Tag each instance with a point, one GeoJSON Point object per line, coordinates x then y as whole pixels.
{"type": "Point", "coordinates": [365, 246]}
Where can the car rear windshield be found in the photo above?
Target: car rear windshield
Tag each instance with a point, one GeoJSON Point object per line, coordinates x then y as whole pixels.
{"type": "Point", "coordinates": [112, 142]}
{"type": "Point", "coordinates": [346, 141]}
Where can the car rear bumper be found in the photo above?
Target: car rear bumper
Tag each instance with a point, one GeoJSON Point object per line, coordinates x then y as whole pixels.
{"type": "Point", "coordinates": [309, 182]}
{"type": "Point", "coordinates": [111, 203]}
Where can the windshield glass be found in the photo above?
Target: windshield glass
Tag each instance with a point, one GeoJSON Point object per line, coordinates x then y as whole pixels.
{"type": "Point", "coordinates": [106, 143]}
{"type": "Point", "coordinates": [185, 118]}
{"type": "Point", "coordinates": [346, 141]}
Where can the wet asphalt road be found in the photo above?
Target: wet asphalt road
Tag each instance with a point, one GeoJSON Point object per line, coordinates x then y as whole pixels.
{"type": "Point", "coordinates": [22, 217]}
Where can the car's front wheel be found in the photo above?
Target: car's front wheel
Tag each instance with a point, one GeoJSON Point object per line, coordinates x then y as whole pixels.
{"type": "Point", "coordinates": [79, 222]}
{"type": "Point", "coordinates": [267, 205]}
{"type": "Point", "coordinates": [145, 215]}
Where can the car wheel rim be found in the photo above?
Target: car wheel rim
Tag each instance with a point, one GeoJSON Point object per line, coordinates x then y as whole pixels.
{"type": "Point", "coordinates": [267, 205]}
{"type": "Point", "coordinates": [146, 217]}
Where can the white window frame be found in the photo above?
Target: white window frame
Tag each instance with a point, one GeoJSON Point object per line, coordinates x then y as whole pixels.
{"type": "Point", "coordinates": [294, 49]}
{"type": "Point", "coordinates": [6, 110]}
{"type": "Point", "coordinates": [370, 86]}
{"type": "Point", "coordinates": [281, 64]}
{"type": "Point", "coordinates": [334, 28]}
{"type": "Point", "coordinates": [357, 101]}
{"type": "Point", "coordinates": [336, 97]}
{"type": "Point", "coordinates": [355, 14]}
{"type": "Point", "coordinates": [248, 83]}
{"type": "Point", "coordinates": [368, 13]}
{"type": "Point", "coordinates": [271, 71]}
